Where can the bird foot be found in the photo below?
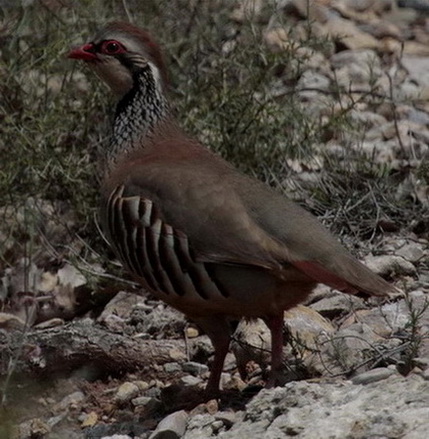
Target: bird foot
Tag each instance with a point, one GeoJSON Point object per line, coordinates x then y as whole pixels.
{"type": "Point", "coordinates": [276, 378]}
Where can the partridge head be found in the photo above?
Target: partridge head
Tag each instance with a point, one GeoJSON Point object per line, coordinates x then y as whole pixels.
{"type": "Point", "coordinates": [206, 239]}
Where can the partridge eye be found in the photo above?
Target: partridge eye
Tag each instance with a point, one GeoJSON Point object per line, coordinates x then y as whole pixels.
{"type": "Point", "coordinates": [111, 47]}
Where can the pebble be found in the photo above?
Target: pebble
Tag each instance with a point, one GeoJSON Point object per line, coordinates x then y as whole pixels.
{"type": "Point", "coordinates": [390, 264]}
{"type": "Point", "coordinates": [192, 332]}
{"type": "Point", "coordinates": [69, 401]}
{"type": "Point", "coordinates": [90, 420]}
{"type": "Point", "coordinates": [189, 380]}
{"type": "Point", "coordinates": [347, 57]}
{"type": "Point", "coordinates": [422, 362]}
{"type": "Point", "coordinates": [33, 428]}
{"type": "Point", "coordinates": [51, 323]}
{"type": "Point", "coordinates": [142, 385]}
{"type": "Point", "coordinates": [425, 374]}
{"type": "Point", "coordinates": [115, 430]}
{"type": "Point", "coordinates": [171, 427]}
{"type": "Point", "coordinates": [117, 436]}
{"type": "Point", "coordinates": [228, 418]}
{"type": "Point", "coordinates": [235, 383]}
{"type": "Point", "coordinates": [114, 323]}
{"type": "Point", "coordinates": [10, 321]}
{"type": "Point", "coordinates": [411, 252]}
{"type": "Point", "coordinates": [372, 376]}
{"type": "Point", "coordinates": [225, 380]}
{"type": "Point", "coordinates": [331, 307]}
{"type": "Point", "coordinates": [212, 406]}
{"type": "Point", "coordinates": [156, 383]}
{"type": "Point", "coordinates": [230, 363]}
{"type": "Point", "coordinates": [54, 420]}
{"type": "Point", "coordinates": [126, 391]}
{"type": "Point", "coordinates": [216, 426]}
{"type": "Point", "coordinates": [312, 79]}
{"type": "Point", "coordinates": [153, 392]}
{"type": "Point", "coordinates": [172, 367]}
{"type": "Point", "coordinates": [147, 402]}
{"type": "Point", "coordinates": [195, 368]}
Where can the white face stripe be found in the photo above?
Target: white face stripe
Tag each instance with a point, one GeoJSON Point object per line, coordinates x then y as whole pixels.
{"type": "Point", "coordinates": [156, 75]}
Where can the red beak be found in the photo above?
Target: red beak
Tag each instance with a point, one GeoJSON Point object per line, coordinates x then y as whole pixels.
{"type": "Point", "coordinates": [85, 53]}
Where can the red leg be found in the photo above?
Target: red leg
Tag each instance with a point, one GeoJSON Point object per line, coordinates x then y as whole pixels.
{"type": "Point", "coordinates": [218, 330]}
{"type": "Point", "coordinates": [221, 349]}
{"type": "Point", "coordinates": [275, 325]}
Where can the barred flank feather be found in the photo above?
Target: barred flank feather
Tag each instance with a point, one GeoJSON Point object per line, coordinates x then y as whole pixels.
{"type": "Point", "coordinates": [154, 250]}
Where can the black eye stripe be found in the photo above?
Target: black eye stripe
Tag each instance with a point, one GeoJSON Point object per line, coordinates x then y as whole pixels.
{"type": "Point", "coordinates": [91, 47]}
{"type": "Point", "coordinates": [97, 46]}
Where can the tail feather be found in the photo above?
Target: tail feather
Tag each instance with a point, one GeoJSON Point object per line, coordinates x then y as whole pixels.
{"type": "Point", "coordinates": [349, 276]}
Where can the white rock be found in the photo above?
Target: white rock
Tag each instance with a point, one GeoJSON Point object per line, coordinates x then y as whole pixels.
{"type": "Point", "coordinates": [411, 252]}
{"type": "Point", "coordinates": [172, 367]}
{"type": "Point", "coordinates": [394, 407]}
{"type": "Point", "coordinates": [311, 79]}
{"type": "Point", "coordinates": [418, 68]}
{"type": "Point", "coordinates": [348, 34]}
{"type": "Point", "coordinates": [372, 376]}
{"type": "Point", "coordinates": [117, 436]}
{"type": "Point", "coordinates": [195, 368]}
{"type": "Point", "coordinates": [147, 402]}
{"type": "Point", "coordinates": [70, 400]}
{"type": "Point", "coordinates": [390, 264]}
{"type": "Point", "coordinates": [189, 380]}
{"type": "Point", "coordinates": [171, 427]}
{"type": "Point", "coordinates": [70, 275]}
{"type": "Point", "coordinates": [126, 391]}
{"type": "Point", "coordinates": [364, 57]}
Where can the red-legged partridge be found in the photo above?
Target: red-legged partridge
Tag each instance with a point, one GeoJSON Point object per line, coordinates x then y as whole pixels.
{"type": "Point", "coordinates": [204, 238]}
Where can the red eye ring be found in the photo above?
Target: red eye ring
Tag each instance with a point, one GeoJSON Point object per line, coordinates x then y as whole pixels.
{"type": "Point", "coordinates": [112, 47]}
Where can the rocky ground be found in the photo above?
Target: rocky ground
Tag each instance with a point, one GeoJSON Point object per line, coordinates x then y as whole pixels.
{"type": "Point", "coordinates": [123, 365]}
